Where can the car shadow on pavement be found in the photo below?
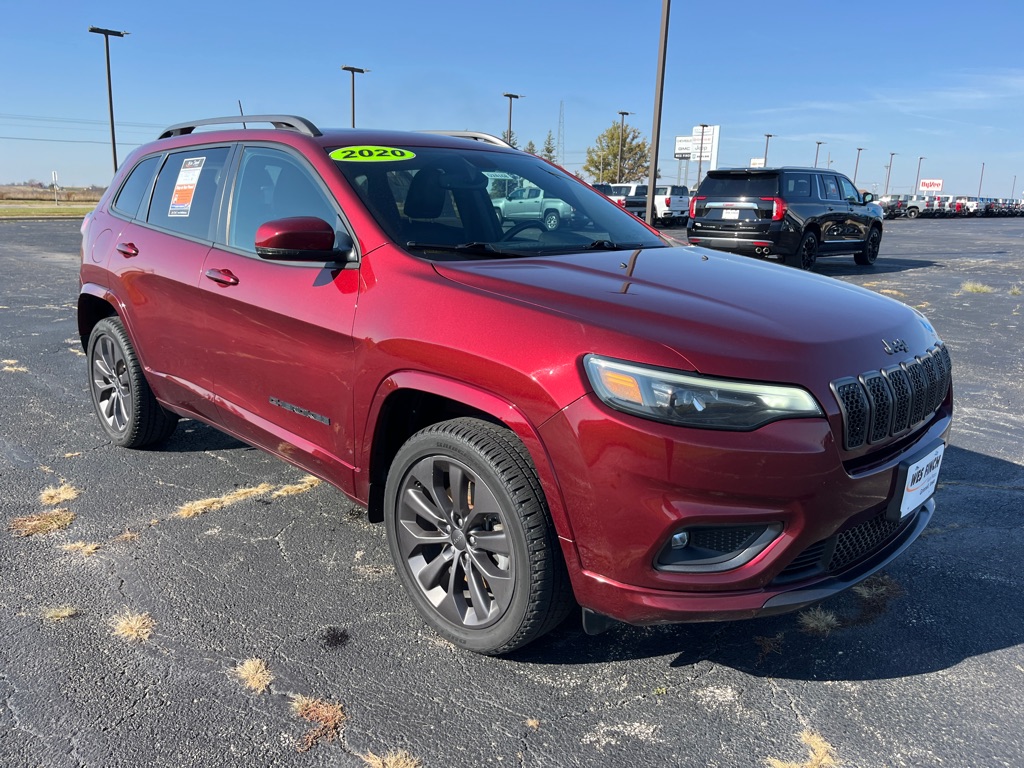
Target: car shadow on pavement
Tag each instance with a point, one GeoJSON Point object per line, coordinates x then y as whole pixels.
{"type": "Point", "coordinates": [193, 436]}
{"type": "Point", "coordinates": [954, 595]}
{"type": "Point", "coordinates": [842, 266]}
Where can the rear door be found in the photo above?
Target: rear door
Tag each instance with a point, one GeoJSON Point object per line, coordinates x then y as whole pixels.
{"type": "Point", "coordinates": [835, 215]}
{"type": "Point", "coordinates": [158, 261]}
{"type": "Point", "coordinates": [280, 342]}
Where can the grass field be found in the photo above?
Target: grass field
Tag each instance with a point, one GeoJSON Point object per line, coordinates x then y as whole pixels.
{"type": "Point", "coordinates": [41, 210]}
{"type": "Point", "coordinates": [35, 202]}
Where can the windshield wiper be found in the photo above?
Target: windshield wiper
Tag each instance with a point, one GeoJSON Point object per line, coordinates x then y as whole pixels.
{"type": "Point", "coordinates": [475, 247]}
{"type": "Point", "coordinates": [608, 245]}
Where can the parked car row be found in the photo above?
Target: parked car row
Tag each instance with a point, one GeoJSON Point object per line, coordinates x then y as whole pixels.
{"type": "Point", "coordinates": [940, 206]}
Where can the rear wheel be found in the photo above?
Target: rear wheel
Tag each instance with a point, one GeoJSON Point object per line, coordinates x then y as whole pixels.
{"type": "Point", "coordinates": [866, 257]}
{"type": "Point", "coordinates": [472, 539]}
{"type": "Point", "coordinates": [124, 403]}
{"type": "Point", "coordinates": [806, 253]}
{"type": "Point", "coordinates": [552, 221]}
{"type": "Point", "coordinates": [913, 213]}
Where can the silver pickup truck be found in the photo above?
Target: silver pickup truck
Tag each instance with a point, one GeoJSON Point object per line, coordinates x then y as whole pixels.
{"type": "Point", "coordinates": [528, 203]}
{"type": "Point", "coordinates": [671, 201]}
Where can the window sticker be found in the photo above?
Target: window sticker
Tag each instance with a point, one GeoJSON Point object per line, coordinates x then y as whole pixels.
{"type": "Point", "coordinates": [185, 186]}
{"type": "Point", "coordinates": [371, 154]}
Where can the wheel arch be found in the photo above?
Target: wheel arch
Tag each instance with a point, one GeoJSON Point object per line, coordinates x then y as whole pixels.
{"type": "Point", "coordinates": [409, 401]}
{"type": "Point", "coordinates": [94, 304]}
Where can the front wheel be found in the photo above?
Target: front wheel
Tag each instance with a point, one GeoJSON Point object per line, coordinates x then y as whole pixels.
{"type": "Point", "coordinates": [471, 537]}
{"type": "Point", "coordinates": [124, 403]}
{"type": "Point", "coordinates": [552, 221]}
{"type": "Point", "coordinates": [866, 257]}
{"type": "Point", "coordinates": [913, 213]}
{"type": "Point", "coordinates": [806, 253]}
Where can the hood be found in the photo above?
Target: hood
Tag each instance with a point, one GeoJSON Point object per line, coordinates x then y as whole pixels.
{"type": "Point", "coordinates": [723, 314]}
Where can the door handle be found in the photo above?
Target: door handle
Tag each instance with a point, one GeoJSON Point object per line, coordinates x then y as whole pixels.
{"type": "Point", "coordinates": [128, 250]}
{"type": "Point", "coordinates": [222, 276]}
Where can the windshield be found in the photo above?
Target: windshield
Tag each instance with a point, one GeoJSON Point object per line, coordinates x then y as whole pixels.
{"type": "Point", "coordinates": [474, 202]}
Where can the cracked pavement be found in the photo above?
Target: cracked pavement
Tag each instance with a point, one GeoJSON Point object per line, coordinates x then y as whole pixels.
{"type": "Point", "coordinates": [305, 583]}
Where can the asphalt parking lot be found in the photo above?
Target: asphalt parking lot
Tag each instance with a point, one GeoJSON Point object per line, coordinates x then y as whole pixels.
{"type": "Point", "coordinates": [927, 672]}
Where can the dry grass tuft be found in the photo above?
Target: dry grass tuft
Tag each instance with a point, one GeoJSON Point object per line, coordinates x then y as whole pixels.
{"type": "Point", "coordinates": [253, 674]}
{"type": "Point", "coordinates": [972, 286]}
{"type": "Point", "coordinates": [128, 535]}
{"type": "Point", "coordinates": [196, 508]}
{"type": "Point", "coordinates": [326, 717]}
{"type": "Point", "coordinates": [818, 621]}
{"type": "Point", "coordinates": [892, 292]}
{"type": "Point", "coordinates": [822, 754]}
{"type": "Point", "coordinates": [879, 588]}
{"type": "Point", "coordinates": [769, 645]}
{"type": "Point", "coordinates": [11, 367]}
{"type": "Point", "coordinates": [42, 523]}
{"type": "Point", "coordinates": [84, 548]}
{"type": "Point", "coordinates": [302, 486]}
{"type": "Point", "coordinates": [136, 627]}
{"type": "Point", "coordinates": [60, 613]}
{"type": "Point", "coordinates": [399, 759]}
{"type": "Point", "coordinates": [72, 455]}
{"type": "Point", "coordinates": [1015, 290]}
{"type": "Point", "coordinates": [50, 497]}
{"type": "Point", "coordinates": [532, 723]}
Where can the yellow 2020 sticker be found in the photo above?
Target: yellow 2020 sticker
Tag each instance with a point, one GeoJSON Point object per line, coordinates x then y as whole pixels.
{"type": "Point", "coordinates": [370, 154]}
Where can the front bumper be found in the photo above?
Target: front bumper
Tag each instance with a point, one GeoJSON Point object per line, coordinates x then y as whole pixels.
{"type": "Point", "coordinates": [632, 484]}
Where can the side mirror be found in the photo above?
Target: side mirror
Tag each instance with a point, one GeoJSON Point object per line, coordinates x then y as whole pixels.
{"type": "Point", "coordinates": [868, 198]}
{"type": "Point", "coordinates": [302, 238]}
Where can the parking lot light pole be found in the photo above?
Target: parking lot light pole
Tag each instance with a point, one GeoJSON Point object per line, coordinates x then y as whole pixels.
{"type": "Point", "coordinates": [659, 92]}
{"type": "Point", "coordinates": [622, 130]}
{"type": "Point", "coordinates": [107, 34]}
{"type": "Point", "coordinates": [1014, 187]}
{"type": "Point", "coordinates": [767, 138]}
{"type": "Point", "coordinates": [354, 71]}
{"type": "Point", "coordinates": [510, 96]}
{"type": "Point", "coordinates": [888, 173]}
{"type": "Point", "coordinates": [981, 179]}
{"type": "Point", "coordinates": [700, 155]}
{"type": "Point", "coordinates": [856, 165]}
{"type": "Point", "coordinates": [816, 151]}
{"type": "Point", "coordinates": [917, 181]}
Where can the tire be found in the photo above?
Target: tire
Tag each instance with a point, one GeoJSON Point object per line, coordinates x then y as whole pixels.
{"type": "Point", "coordinates": [124, 403]}
{"type": "Point", "coordinates": [866, 257]}
{"type": "Point", "coordinates": [913, 213]}
{"type": "Point", "coordinates": [552, 221]}
{"type": "Point", "coordinates": [806, 253]}
{"type": "Point", "coordinates": [482, 565]}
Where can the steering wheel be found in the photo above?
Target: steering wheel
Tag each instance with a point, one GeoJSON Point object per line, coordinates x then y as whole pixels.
{"type": "Point", "coordinates": [523, 226]}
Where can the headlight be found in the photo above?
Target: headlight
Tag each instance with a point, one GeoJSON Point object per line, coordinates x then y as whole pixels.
{"type": "Point", "coordinates": [695, 401]}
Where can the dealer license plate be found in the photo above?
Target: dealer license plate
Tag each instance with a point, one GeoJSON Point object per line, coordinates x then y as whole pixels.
{"type": "Point", "coordinates": [916, 482]}
{"type": "Point", "coordinates": [730, 213]}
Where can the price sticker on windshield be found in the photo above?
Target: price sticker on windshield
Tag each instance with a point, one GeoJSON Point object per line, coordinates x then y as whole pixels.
{"type": "Point", "coordinates": [371, 154]}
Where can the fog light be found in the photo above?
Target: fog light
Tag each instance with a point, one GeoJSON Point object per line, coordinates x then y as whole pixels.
{"type": "Point", "coordinates": [713, 549]}
{"type": "Point", "coordinates": [680, 540]}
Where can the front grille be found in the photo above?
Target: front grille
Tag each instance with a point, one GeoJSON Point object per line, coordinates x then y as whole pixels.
{"type": "Point", "coordinates": [843, 549]}
{"type": "Point", "coordinates": [878, 405]}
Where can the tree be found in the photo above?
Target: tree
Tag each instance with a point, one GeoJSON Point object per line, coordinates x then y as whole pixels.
{"type": "Point", "coordinates": [548, 150]}
{"type": "Point", "coordinates": [531, 147]}
{"type": "Point", "coordinates": [510, 138]}
{"type": "Point", "coordinates": [603, 159]}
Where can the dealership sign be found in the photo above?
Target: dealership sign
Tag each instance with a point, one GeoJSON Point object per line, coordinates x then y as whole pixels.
{"type": "Point", "coordinates": [930, 185]}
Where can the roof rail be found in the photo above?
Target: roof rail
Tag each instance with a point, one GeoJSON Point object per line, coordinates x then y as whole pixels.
{"type": "Point", "coordinates": [486, 138]}
{"type": "Point", "coordinates": [282, 122]}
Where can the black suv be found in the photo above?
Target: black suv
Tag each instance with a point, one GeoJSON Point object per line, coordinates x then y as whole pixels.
{"type": "Point", "coordinates": [792, 214]}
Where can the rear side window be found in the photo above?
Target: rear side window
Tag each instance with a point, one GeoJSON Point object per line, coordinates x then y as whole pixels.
{"type": "Point", "coordinates": [135, 187]}
{"type": "Point", "coordinates": [755, 185]}
{"type": "Point", "coordinates": [829, 188]}
{"type": "Point", "coordinates": [796, 185]}
{"type": "Point", "coordinates": [187, 190]}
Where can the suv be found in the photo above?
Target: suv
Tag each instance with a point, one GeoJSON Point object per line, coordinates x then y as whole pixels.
{"type": "Point", "coordinates": [540, 418]}
{"type": "Point", "coordinates": [792, 214]}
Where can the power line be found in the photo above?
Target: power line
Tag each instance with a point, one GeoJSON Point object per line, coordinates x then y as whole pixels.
{"type": "Point", "coordinates": [77, 120]}
{"type": "Point", "coordinates": [63, 141]}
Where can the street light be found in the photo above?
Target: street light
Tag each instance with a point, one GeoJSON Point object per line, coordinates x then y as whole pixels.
{"type": "Point", "coordinates": [917, 181]}
{"type": "Point", "coordinates": [767, 138]}
{"type": "Point", "coordinates": [107, 34]}
{"type": "Point", "coordinates": [981, 179]}
{"type": "Point", "coordinates": [888, 173]}
{"type": "Point", "coordinates": [622, 129]}
{"type": "Point", "coordinates": [816, 151]}
{"type": "Point", "coordinates": [510, 96]}
{"type": "Point", "coordinates": [700, 155]}
{"type": "Point", "coordinates": [856, 165]}
{"type": "Point", "coordinates": [354, 71]}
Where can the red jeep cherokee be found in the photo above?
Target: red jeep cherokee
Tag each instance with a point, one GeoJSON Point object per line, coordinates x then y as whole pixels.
{"type": "Point", "coordinates": [536, 413]}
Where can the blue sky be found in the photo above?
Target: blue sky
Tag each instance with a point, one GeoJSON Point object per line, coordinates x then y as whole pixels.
{"type": "Point", "coordinates": [934, 78]}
